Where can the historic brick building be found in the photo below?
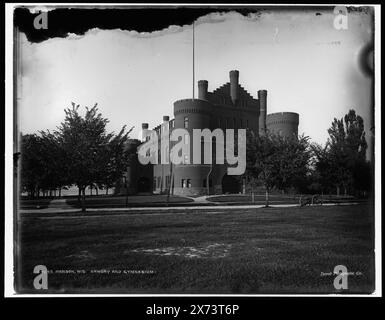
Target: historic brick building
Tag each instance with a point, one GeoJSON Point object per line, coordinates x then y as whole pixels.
{"type": "Point", "coordinates": [228, 107]}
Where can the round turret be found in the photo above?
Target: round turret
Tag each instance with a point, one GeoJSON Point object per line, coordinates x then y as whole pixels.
{"type": "Point", "coordinates": [283, 123]}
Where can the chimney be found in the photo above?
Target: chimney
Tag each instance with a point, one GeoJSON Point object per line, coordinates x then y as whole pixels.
{"type": "Point", "coordinates": [234, 82]}
{"type": "Point", "coordinates": [144, 131]}
{"type": "Point", "coordinates": [262, 97]}
{"type": "Point", "coordinates": [202, 89]}
{"type": "Point", "coordinates": [165, 126]}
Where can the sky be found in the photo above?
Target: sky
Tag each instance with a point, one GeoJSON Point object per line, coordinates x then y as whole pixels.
{"type": "Point", "coordinates": [305, 63]}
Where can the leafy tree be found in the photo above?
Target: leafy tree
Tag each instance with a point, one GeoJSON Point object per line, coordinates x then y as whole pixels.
{"type": "Point", "coordinates": [116, 161]}
{"type": "Point", "coordinates": [93, 155]}
{"type": "Point", "coordinates": [345, 150]}
{"type": "Point", "coordinates": [32, 166]}
{"type": "Point", "coordinates": [55, 175]}
{"type": "Point", "coordinates": [276, 161]}
{"type": "Point", "coordinates": [293, 161]}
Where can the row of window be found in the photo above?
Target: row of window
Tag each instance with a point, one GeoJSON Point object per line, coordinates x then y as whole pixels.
{"type": "Point", "coordinates": [233, 123]}
{"type": "Point", "coordinates": [228, 101]}
{"type": "Point", "coordinates": [185, 183]}
{"type": "Point", "coordinates": [158, 182]}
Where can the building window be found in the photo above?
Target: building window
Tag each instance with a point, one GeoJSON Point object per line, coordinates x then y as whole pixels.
{"type": "Point", "coordinates": [241, 123]}
{"type": "Point", "coordinates": [154, 184]}
{"type": "Point", "coordinates": [186, 139]}
{"type": "Point", "coordinates": [186, 122]}
{"type": "Point", "coordinates": [227, 123]}
{"type": "Point", "coordinates": [247, 123]}
{"type": "Point", "coordinates": [219, 122]}
{"type": "Point", "coordinates": [185, 160]}
{"type": "Point", "coordinates": [186, 183]}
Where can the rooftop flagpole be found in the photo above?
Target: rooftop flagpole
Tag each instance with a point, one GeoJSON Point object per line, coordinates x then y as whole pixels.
{"type": "Point", "coordinates": [193, 61]}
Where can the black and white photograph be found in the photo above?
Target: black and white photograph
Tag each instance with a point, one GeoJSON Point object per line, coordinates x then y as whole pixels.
{"type": "Point", "coordinates": [194, 150]}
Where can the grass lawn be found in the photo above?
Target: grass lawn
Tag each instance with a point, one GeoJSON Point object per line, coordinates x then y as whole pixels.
{"type": "Point", "coordinates": [201, 251]}
{"type": "Point", "coordinates": [274, 198]}
{"type": "Point", "coordinates": [120, 201]}
{"type": "Point", "coordinates": [241, 198]}
{"type": "Point", "coordinates": [41, 203]}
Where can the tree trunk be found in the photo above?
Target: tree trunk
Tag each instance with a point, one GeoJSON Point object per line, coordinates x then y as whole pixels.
{"type": "Point", "coordinates": [84, 200]}
{"type": "Point", "coordinates": [97, 190]}
{"type": "Point", "coordinates": [59, 192]}
{"type": "Point", "coordinates": [79, 195]}
{"type": "Point", "coordinates": [338, 191]}
{"type": "Point", "coordinates": [252, 195]}
{"type": "Point", "coordinates": [106, 191]}
{"type": "Point", "coordinates": [90, 190]}
{"type": "Point", "coordinates": [267, 197]}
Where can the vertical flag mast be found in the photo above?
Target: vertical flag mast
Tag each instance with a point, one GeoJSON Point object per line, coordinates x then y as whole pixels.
{"type": "Point", "coordinates": [193, 61]}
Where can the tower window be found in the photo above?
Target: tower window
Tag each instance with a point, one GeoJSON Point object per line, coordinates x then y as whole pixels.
{"type": "Point", "coordinates": [186, 122]}
{"type": "Point", "coordinates": [188, 183]}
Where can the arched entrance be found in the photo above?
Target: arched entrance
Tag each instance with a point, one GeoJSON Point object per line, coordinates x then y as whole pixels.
{"type": "Point", "coordinates": [144, 185]}
{"type": "Point", "coordinates": [230, 184]}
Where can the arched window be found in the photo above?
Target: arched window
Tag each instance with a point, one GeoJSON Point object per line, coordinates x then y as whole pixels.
{"type": "Point", "coordinates": [186, 122]}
